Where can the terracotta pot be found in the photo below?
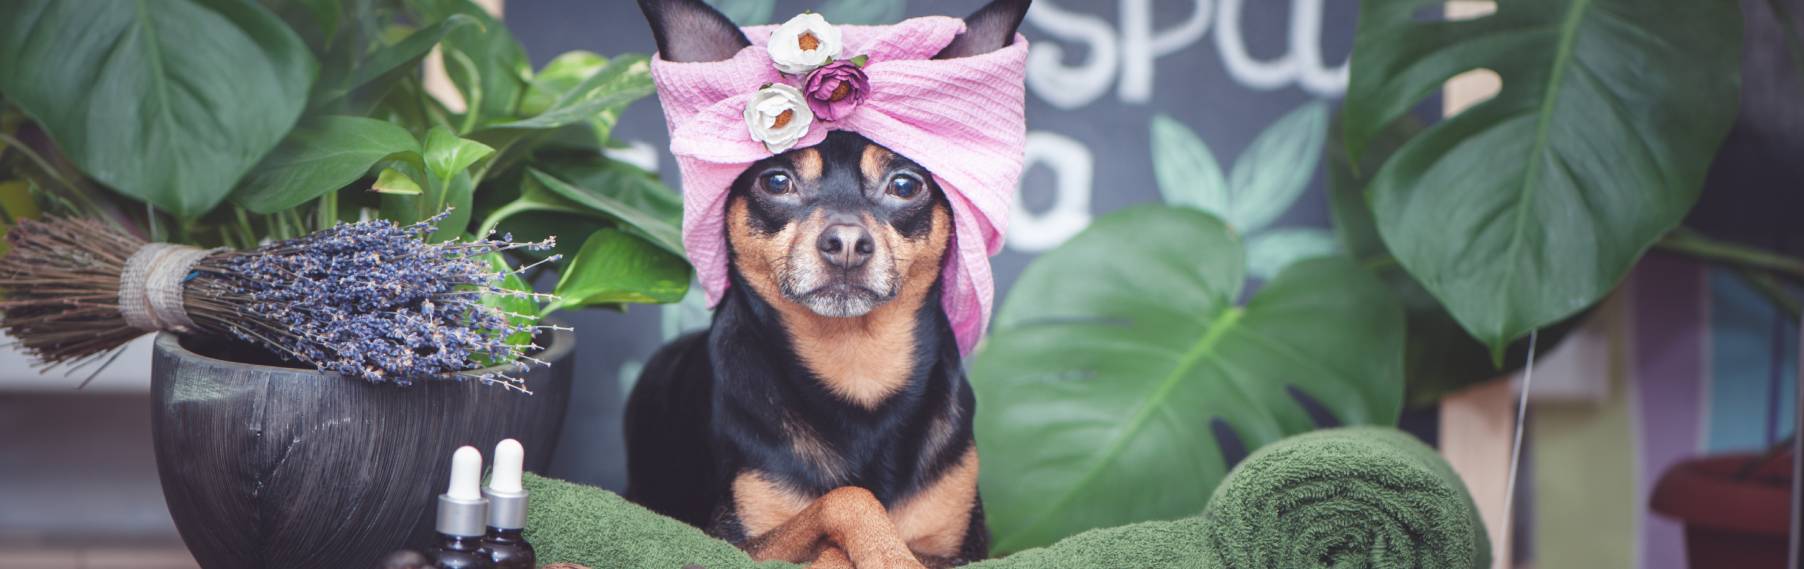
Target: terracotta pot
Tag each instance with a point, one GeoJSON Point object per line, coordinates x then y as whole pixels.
{"type": "Point", "coordinates": [1734, 516]}
{"type": "Point", "coordinates": [275, 467]}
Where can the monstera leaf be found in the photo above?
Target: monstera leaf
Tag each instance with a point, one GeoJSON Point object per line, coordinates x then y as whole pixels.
{"type": "Point", "coordinates": [1439, 357]}
{"type": "Point", "coordinates": [1529, 207]}
{"type": "Point", "coordinates": [168, 102]}
{"type": "Point", "coordinates": [1121, 379]}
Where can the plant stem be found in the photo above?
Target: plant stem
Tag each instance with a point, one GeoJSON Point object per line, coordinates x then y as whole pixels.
{"type": "Point", "coordinates": [245, 229]}
{"type": "Point", "coordinates": [1774, 291]}
{"type": "Point", "coordinates": [1690, 243]}
{"type": "Point", "coordinates": [328, 210]}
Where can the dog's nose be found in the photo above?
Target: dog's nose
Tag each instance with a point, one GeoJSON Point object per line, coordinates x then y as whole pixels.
{"type": "Point", "coordinates": [846, 245]}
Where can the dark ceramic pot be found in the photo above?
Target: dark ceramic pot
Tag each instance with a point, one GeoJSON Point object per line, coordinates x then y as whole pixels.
{"type": "Point", "coordinates": [275, 467]}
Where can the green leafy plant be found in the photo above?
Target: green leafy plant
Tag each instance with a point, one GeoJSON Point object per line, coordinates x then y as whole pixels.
{"type": "Point", "coordinates": [1531, 206]}
{"type": "Point", "coordinates": [135, 105]}
{"type": "Point", "coordinates": [1265, 181]}
{"type": "Point", "coordinates": [1120, 365]}
{"type": "Point", "coordinates": [235, 122]}
{"type": "Point", "coordinates": [1112, 371]}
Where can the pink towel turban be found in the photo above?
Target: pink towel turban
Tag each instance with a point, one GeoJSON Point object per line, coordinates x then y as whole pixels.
{"type": "Point", "coordinates": [962, 119]}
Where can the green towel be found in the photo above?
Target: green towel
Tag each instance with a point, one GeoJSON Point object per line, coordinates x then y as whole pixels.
{"type": "Point", "coordinates": [1353, 497]}
{"type": "Point", "coordinates": [585, 525]}
{"type": "Point", "coordinates": [1172, 544]}
{"type": "Point", "coordinates": [1350, 497]}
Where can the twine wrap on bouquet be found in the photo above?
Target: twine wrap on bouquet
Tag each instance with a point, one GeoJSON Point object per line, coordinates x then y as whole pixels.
{"type": "Point", "coordinates": [150, 288]}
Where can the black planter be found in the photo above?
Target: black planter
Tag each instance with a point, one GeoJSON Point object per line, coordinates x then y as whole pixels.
{"type": "Point", "coordinates": [276, 467]}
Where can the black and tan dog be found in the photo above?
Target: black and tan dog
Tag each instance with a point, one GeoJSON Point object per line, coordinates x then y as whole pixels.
{"type": "Point", "coordinates": [825, 416]}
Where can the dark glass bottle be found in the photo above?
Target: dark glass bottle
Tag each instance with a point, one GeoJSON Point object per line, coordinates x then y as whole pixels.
{"type": "Point", "coordinates": [509, 550]}
{"type": "Point", "coordinates": [460, 552]}
{"type": "Point", "coordinates": [461, 513]}
{"type": "Point", "coordinates": [507, 509]}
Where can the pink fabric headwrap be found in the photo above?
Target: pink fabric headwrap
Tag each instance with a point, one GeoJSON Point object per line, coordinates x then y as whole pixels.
{"type": "Point", "coordinates": [963, 119]}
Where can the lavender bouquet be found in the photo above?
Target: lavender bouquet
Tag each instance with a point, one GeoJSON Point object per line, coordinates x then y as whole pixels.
{"type": "Point", "coordinates": [374, 300]}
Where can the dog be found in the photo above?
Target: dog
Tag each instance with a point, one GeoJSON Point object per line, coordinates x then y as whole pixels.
{"type": "Point", "coordinates": [824, 416]}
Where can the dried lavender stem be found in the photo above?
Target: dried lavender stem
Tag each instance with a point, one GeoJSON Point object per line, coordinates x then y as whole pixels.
{"type": "Point", "coordinates": [373, 300]}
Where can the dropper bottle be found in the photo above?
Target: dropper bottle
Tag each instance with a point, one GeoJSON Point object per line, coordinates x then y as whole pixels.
{"type": "Point", "coordinates": [507, 510]}
{"type": "Point", "coordinates": [461, 510]}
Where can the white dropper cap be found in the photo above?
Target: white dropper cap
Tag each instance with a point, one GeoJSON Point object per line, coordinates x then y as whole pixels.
{"type": "Point", "coordinates": [461, 508]}
{"type": "Point", "coordinates": [466, 475]}
{"type": "Point", "coordinates": [510, 461]}
{"type": "Point", "coordinates": [507, 498]}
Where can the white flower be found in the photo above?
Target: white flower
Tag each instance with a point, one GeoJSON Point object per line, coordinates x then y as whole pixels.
{"type": "Point", "coordinates": [803, 43]}
{"type": "Point", "coordinates": [778, 116]}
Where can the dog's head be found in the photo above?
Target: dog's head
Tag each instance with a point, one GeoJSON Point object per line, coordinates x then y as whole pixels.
{"type": "Point", "coordinates": [845, 226]}
{"type": "Point", "coordinates": [839, 227]}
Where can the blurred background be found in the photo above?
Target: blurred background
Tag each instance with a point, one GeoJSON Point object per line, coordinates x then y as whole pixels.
{"type": "Point", "coordinates": [1686, 358]}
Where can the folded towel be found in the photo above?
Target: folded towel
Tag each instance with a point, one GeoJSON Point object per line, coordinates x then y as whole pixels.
{"type": "Point", "coordinates": [1172, 544]}
{"type": "Point", "coordinates": [585, 525]}
{"type": "Point", "coordinates": [1351, 497]}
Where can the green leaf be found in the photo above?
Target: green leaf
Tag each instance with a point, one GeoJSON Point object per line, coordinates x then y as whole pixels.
{"type": "Point", "coordinates": [617, 193]}
{"type": "Point", "coordinates": [558, 78]}
{"type": "Point", "coordinates": [746, 12]}
{"type": "Point", "coordinates": [391, 181]}
{"type": "Point", "coordinates": [571, 230]}
{"type": "Point", "coordinates": [524, 310]}
{"type": "Point", "coordinates": [863, 12]}
{"type": "Point", "coordinates": [1117, 357]}
{"type": "Point", "coordinates": [447, 155]}
{"type": "Point", "coordinates": [563, 76]}
{"type": "Point", "coordinates": [325, 13]}
{"type": "Point", "coordinates": [624, 79]}
{"type": "Point", "coordinates": [1439, 357]}
{"type": "Point", "coordinates": [169, 102]}
{"type": "Point", "coordinates": [1185, 168]}
{"type": "Point", "coordinates": [388, 59]}
{"type": "Point", "coordinates": [323, 156]}
{"type": "Point", "coordinates": [1529, 207]}
{"type": "Point", "coordinates": [457, 198]}
{"type": "Point", "coordinates": [1274, 170]}
{"type": "Point", "coordinates": [1269, 252]}
{"type": "Point", "coordinates": [485, 63]}
{"type": "Point", "coordinates": [617, 268]}
{"type": "Point", "coordinates": [16, 203]}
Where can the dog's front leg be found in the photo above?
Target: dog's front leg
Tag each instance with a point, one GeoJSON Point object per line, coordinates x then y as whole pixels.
{"type": "Point", "coordinates": [845, 525]}
{"type": "Point", "coordinates": [832, 558]}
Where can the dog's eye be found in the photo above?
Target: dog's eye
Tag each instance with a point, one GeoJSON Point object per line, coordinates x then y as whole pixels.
{"type": "Point", "coordinates": [904, 186]}
{"type": "Point", "coordinates": [777, 183]}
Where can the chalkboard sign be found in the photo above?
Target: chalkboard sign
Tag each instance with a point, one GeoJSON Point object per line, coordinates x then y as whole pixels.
{"type": "Point", "coordinates": [1217, 104]}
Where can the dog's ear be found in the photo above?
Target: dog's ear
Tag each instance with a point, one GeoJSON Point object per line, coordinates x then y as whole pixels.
{"type": "Point", "coordinates": [692, 31]}
{"type": "Point", "coordinates": [990, 28]}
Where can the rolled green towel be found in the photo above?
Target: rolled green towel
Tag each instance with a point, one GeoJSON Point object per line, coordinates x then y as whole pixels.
{"type": "Point", "coordinates": [585, 525]}
{"type": "Point", "coordinates": [1175, 544]}
{"type": "Point", "coordinates": [1350, 497]}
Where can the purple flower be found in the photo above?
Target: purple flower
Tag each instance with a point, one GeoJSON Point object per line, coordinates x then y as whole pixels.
{"type": "Point", "coordinates": [836, 89]}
